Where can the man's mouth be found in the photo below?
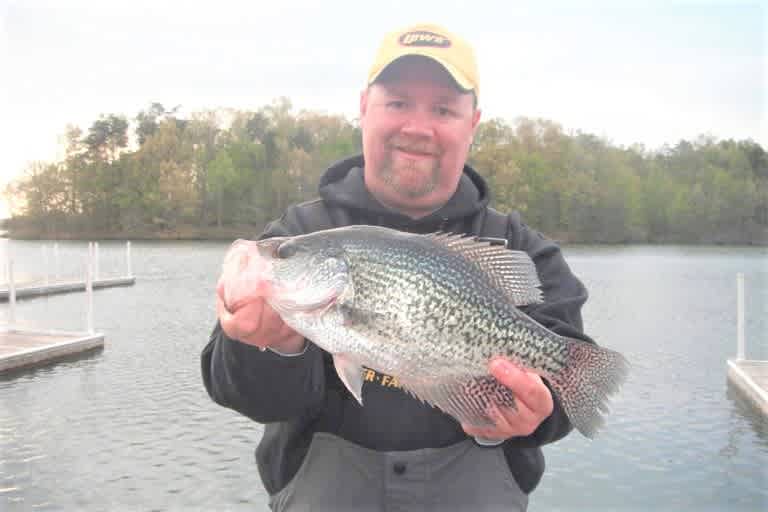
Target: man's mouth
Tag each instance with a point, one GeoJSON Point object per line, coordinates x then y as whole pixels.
{"type": "Point", "coordinates": [415, 151]}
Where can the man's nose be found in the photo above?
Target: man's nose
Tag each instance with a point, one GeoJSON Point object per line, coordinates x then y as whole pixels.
{"type": "Point", "coordinates": [418, 124]}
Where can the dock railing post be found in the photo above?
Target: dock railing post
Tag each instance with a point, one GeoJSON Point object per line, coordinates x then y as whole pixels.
{"type": "Point", "coordinates": [56, 261]}
{"type": "Point", "coordinates": [89, 289]}
{"type": "Point", "coordinates": [11, 296]}
{"type": "Point", "coordinates": [740, 347]}
{"type": "Point", "coordinates": [128, 258]}
{"type": "Point", "coordinates": [47, 279]}
{"type": "Point", "coordinates": [4, 250]}
{"type": "Point", "coordinates": [96, 261]}
{"type": "Point", "coordinates": [5, 245]}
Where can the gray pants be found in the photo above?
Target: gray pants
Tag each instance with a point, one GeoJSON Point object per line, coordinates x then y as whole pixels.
{"type": "Point", "coordinates": [339, 476]}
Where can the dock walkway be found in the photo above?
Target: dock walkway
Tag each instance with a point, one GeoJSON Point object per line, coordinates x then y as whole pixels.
{"type": "Point", "coordinates": [19, 349]}
{"type": "Point", "coordinates": [749, 376]}
{"type": "Point", "coordinates": [38, 289]}
{"type": "Point", "coordinates": [22, 347]}
{"type": "Point", "coordinates": [48, 279]}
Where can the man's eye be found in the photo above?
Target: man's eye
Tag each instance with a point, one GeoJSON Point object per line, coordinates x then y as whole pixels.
{"type": "Point", "coordinates": [443, 112]}
{"type": "Point", "coordinates": [396, 105]}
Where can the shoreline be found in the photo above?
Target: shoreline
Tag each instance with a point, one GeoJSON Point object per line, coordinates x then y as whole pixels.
{"type": "Point", "coordinates": [191, 233]}
{"type": "Point", "coordinates": [231, 233]}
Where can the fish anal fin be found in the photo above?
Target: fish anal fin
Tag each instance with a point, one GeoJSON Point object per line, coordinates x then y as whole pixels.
{"type": "Point", "coordinates": [467, 398]}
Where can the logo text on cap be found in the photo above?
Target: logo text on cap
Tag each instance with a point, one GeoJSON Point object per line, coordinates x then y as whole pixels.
{"type": "Point", "coordinates": [424, 38]}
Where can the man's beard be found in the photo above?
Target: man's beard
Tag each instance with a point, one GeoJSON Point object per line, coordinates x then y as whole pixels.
{"type": "Point", "coordinates": [390, 176]}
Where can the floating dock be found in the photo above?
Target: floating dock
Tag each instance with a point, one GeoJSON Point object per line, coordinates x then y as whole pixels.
{"type": "Point", "coordinates": [50, 283]}
{"type": "Point", "coordinates": [27, 347]}
{"type": "Point", "coordinates": [21, 349]}
{"type": "Point", "coordinates": [38, 289]}
{"type": "Point", "coordinates": [749, 377]}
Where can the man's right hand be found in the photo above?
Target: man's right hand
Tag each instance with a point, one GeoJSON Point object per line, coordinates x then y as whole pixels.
{"type": "Point", "coordinates": [256, 323]}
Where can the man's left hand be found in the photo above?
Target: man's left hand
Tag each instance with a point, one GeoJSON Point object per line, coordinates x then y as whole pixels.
{"type": "Point", "coordinates": [532, 397]}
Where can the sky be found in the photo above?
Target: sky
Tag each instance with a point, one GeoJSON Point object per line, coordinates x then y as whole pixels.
{"type": "Point", "coordinates": [634, 72]}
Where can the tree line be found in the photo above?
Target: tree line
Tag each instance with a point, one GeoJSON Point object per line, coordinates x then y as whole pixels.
{"type": "Point", "coordinates": [217, 173]}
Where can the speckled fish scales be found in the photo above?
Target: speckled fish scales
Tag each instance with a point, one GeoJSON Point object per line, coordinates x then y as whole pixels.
{"type": "Point", "coordinates": [433, 310]}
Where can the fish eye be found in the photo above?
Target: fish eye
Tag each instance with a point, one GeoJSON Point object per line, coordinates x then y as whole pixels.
{"type": "Point", "coordinates": [286, 250]}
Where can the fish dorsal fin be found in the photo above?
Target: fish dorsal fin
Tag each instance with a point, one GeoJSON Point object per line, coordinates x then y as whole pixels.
{"type": "Point", "coordinates": [512, 271]}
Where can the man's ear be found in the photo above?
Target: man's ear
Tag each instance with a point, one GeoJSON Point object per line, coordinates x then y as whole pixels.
{"type": "Point", "coordinates": [363, 103]}
{"type": "Point", "coordinates": [476, 120]}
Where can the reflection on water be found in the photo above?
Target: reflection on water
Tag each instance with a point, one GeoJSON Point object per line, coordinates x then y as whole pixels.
{"type": "Point", "coordinates": [44, 368]}
{"type": "Point", "coordinates": [131, 427]}
{"type": "Point", "coordinates": [747, 410]}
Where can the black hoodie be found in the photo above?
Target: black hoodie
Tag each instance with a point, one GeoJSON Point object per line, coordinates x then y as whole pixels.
{"type": "Point", "coordinates": [297, 396]}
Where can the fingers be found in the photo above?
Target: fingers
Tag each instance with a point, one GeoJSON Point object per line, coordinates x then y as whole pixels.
{"type": "Point", "coordinates": [528, 388]}
{"type": "Point", "coordinates": [507, 423]}
{"type": "Point", "coordinates": [245, 324]}
{"type": "Point", "coordinates": [256, 323]}
{"type": "Point", "coordinates": [532, 398]}
{"type": "Point", "coordinates": [220, 288]}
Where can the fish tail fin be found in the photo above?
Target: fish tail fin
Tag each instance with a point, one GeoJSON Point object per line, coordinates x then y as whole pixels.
{"type": "Point", "coordinates": [590, 376]}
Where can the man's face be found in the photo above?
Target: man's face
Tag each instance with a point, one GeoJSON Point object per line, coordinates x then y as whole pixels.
{"type": "Point", "coordinates": [417, 130]}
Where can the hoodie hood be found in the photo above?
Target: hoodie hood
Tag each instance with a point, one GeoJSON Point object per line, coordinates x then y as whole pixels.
{"type": "Point", "coordinates": [343, 185]}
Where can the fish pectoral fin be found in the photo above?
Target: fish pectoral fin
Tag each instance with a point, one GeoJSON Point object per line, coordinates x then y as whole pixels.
{"type": "Point", "coordinates": [351, 374]}
{"type": "Point", "coordinates": [467, 398]}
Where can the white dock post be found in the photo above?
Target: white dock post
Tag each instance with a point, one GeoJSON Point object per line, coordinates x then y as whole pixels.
{"type": "Point", "coordinates": [45, 266]}
{"type": "Point", "coordinates": [5, 252]}
{"type": "Point", "coordinates": [128, 258]}
{"type": "Point", "coordinates": [89, 289]}
{"type": "Point", "coordinates": [56, 261]}
{"type": "Point", "coordinates": [96, 261]}
{"type": "Point", "coordinates": [740, 352]}
{"type": "Point", "coordinates": [11, 296]}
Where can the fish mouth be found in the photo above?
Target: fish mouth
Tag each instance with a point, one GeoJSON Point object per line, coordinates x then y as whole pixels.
{"type": "Point", "coordinates": [303, 298]}
{"type": "Point", "coordinates": [293, 307]}
{"type": "Point", "coordinates": [289, 277]}
{"type": "Point", "coordinates": [247, 274]}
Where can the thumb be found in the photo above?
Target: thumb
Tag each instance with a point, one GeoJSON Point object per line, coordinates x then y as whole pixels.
{"type": "Point", "coordinates": [220, 288]}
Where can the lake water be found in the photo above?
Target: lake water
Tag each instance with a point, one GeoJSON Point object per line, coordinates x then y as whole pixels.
{"type": "Point", "coordinates": [131, 427]}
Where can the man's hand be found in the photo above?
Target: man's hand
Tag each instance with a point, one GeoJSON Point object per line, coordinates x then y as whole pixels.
{"type": "Point", "coordinates": [532, 397]}
{"type": "Point", "coordinates": [256, 323]}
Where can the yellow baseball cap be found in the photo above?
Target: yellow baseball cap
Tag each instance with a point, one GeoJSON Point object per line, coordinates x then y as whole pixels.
{"type": "Point", "coordinates": [433, 41]}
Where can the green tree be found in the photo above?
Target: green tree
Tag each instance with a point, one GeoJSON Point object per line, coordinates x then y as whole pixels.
{"type": "Point", "coordinates": [220, 180]}
{"type": "Point", "coordinates": [229, 167]}
{"type": "Point", "coordinates": [106, 137]}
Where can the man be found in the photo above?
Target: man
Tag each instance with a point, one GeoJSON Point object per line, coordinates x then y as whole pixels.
{"type": "Point", "coordinates": [320, 449]}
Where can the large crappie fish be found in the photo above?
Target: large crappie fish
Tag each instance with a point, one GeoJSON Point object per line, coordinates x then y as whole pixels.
{"type": "Point", "coordinates": [430, 310]}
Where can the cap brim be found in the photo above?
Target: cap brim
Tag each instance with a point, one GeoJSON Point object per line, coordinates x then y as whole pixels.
{"type": "Point", "coordinates": [461, 81]}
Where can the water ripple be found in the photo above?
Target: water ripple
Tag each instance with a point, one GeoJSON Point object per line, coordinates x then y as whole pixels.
{"type": "Point", "coordinates": [132, 427]}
